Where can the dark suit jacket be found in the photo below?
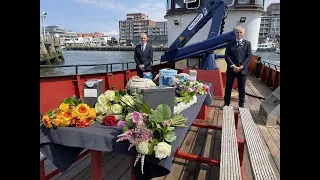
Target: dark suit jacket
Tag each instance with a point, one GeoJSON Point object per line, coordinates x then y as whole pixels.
{"type": "Point", "coordinates": [238, 55]}
{"type": "Point", "coordinates": [144, 57]}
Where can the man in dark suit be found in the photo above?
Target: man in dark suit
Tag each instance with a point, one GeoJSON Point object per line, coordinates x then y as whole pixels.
{"type": "Point", "coordinates": [237, 56]}
{"type": "Point", "coordinates": [143, 56]}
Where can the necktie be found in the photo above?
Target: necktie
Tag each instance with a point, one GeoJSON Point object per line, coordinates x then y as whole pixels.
{"type": "Point", "coordinates": [142, 47]}
{"type": "Point", "coordinates": [238, 43]}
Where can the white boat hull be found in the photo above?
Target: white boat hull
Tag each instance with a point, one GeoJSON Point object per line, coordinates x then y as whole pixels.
{"type": "Point", "coordinates": [251, 25]}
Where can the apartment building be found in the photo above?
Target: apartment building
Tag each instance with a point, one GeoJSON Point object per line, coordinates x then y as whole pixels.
{"type": "Point", "coordinates": [270, 24]}
{"type": "Point", "coordinates": [133, 26]}
{"type": "Point", "coordinates": [137, 23]}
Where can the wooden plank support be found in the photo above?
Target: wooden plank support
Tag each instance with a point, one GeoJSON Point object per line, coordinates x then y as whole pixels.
{"type": "Point", "coordinates": [261, 166]}
{"type": "Point", "coordinates": [229, 158]}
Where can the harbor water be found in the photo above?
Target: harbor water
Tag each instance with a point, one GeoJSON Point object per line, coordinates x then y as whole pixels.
{"type": "Point", "coordinates": [105, 57]}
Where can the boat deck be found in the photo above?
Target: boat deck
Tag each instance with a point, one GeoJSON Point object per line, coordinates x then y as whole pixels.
{"type": "Point", "coordinates": [204, 142]}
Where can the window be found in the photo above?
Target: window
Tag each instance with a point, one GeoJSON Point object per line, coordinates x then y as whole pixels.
{"type": "Point", "coordinates": [243, 1]}
{"type": "Point", "coordinates": [189, 1]}
{"type": "Point", "coordinates": [178, 4]}
{"type": "Point", "coordinates": [193, 5]}
{"type": "Point", "coordinates": [259, 2]}
{"type": "Point", "coordinates": [227, 2]}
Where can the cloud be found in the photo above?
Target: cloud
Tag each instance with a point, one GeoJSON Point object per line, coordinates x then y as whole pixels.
{"type": "Point", "coordinates": [154, 10]}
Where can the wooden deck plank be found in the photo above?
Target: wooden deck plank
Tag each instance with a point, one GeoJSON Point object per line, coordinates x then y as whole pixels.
{"type": "Point", "coordinates": [275, 135]}
{"type": "Point", "coordinates": [204, 170]}
{"type": "Point", "coordinates": [259, 86]}
{"type": "Point", "coordinates": [84, 174]}
{"type": "Point", "coordinates": [192, 169]}
{"type": "Point", "coordinates": [216, 144]}
{"type": "Point", "coordinates": [119, 169]}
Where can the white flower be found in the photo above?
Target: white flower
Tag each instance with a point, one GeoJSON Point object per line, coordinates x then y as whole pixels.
{"type": "Point", "coordinates": [102, 108]}
{"type": "Point", "coordinates": [110, 95]}
{"type": "Point", "coordinates": [162, 150]}
{"type": "Point", "coordinates": [97, 108]}
{"type": "Point", "coordinates": [128, 100]}
{"type": "Point", "coordinates": [102, 99]}
{"type": "Point", "coordinates": [183, 106]}
{"type": "Point", "coordinates": [99, 118]}
{"type": "Point", "coordinates": [142, 147]}
{"type": "Point", "coordinates": [175, 80]}
{"type": "Point", "coordinates": [116, 108]}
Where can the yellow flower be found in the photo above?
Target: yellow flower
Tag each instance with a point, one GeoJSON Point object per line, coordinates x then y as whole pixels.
{"type": "Point", "coordinates": [82, 118]}
{"type": "Point", "coordinates": [56, 121]}
{"type": "Point", "coordinates": [82, 109]}
{"type": "Point", "coordinates": [92, 113]}
{"type": "Point", "coordinates": [65, 122]}
{"type": "Point", "coordinates": [46, 121]}
{"type": "Point", "coordinates": [64, 106]}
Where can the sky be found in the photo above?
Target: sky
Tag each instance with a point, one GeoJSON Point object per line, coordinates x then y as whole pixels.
{"type": "Point", "coordinates": [86, 16]}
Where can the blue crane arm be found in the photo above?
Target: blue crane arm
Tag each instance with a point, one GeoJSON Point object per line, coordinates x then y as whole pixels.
{"type": "Point", "coordinates": [213, 10]}
{"type": "Point", "coordinates": [200, 47]}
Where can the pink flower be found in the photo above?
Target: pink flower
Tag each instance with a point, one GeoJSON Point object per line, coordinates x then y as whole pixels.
{"type": "Point", "coordinates": [165, 123]}
{"type": "Point", "coordinates": [206, 87]}
{"type": "Point", "coordinates": [121, 124]}
{"type": "Point", "coordinates": [136, 117]}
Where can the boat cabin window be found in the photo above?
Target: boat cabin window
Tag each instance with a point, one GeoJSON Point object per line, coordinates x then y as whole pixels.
{"type": "Point", "coordinates": [249, 4]}
{"type": "Point", "coordinates": [229, 3]}
{"type": "Point", "coordinates": [193, 5]}
{"type": "Point", "coordinates": [244, 1]}
{"type": "Point", "coordinates": [260, 2]}
{"type": "Point", "coordinates": [178, 4]}
{"type": "Point", "coordinates": [189, 1]}
{"type": "Point", "coordinates": [168, 5]}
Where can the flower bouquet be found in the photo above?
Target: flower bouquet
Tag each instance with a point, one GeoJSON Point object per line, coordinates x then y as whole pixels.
{"type": "Point", "coordinates": [111, 106]}
{"type": "Point", "coordinates": [186, 92]}
{"type": "Point", "coordinates": [70, 113]}
{"type": "Point", "coordinates": [150, 131]}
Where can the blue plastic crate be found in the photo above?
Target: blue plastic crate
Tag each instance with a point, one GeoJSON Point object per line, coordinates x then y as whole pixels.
{"type": "Point", "coordinates": [165, 76]}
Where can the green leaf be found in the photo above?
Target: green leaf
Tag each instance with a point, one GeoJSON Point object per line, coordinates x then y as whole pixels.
{"type": "Point", "coordinates": [51, 112]}
{"type": "Point", "coordinates": [165, 110]}
{"type": "Point", "coordinates": [151, 146]}
{"type": "Point", "coordinates": [162, 112]}
{"type": "Point", "coordinates": [158, 125]}
{"type": "Point", "coordinates": [122, 92]}
{"type": "Point", "coordinates": [170, 128]}
{"type": "Point", "coordinates": [170, 136]}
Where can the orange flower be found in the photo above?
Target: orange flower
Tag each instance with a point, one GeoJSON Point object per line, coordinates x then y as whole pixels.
{"type": "Point", "coordinates": [82, 109]}
{"type": "Point", "coordinates": [46, 121]}
{"type": "Point", "coordinates": [89, 120]}
{"type": "Point", "coordinates": [67, 115]}
{"type": "Point", "coordinates": [59, 113]}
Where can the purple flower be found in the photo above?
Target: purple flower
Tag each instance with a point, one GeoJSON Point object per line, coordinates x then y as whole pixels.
{"type": "Point", "coordinates": [136, 117]}
{"type": "Point", "coordinates": [121, 124]}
